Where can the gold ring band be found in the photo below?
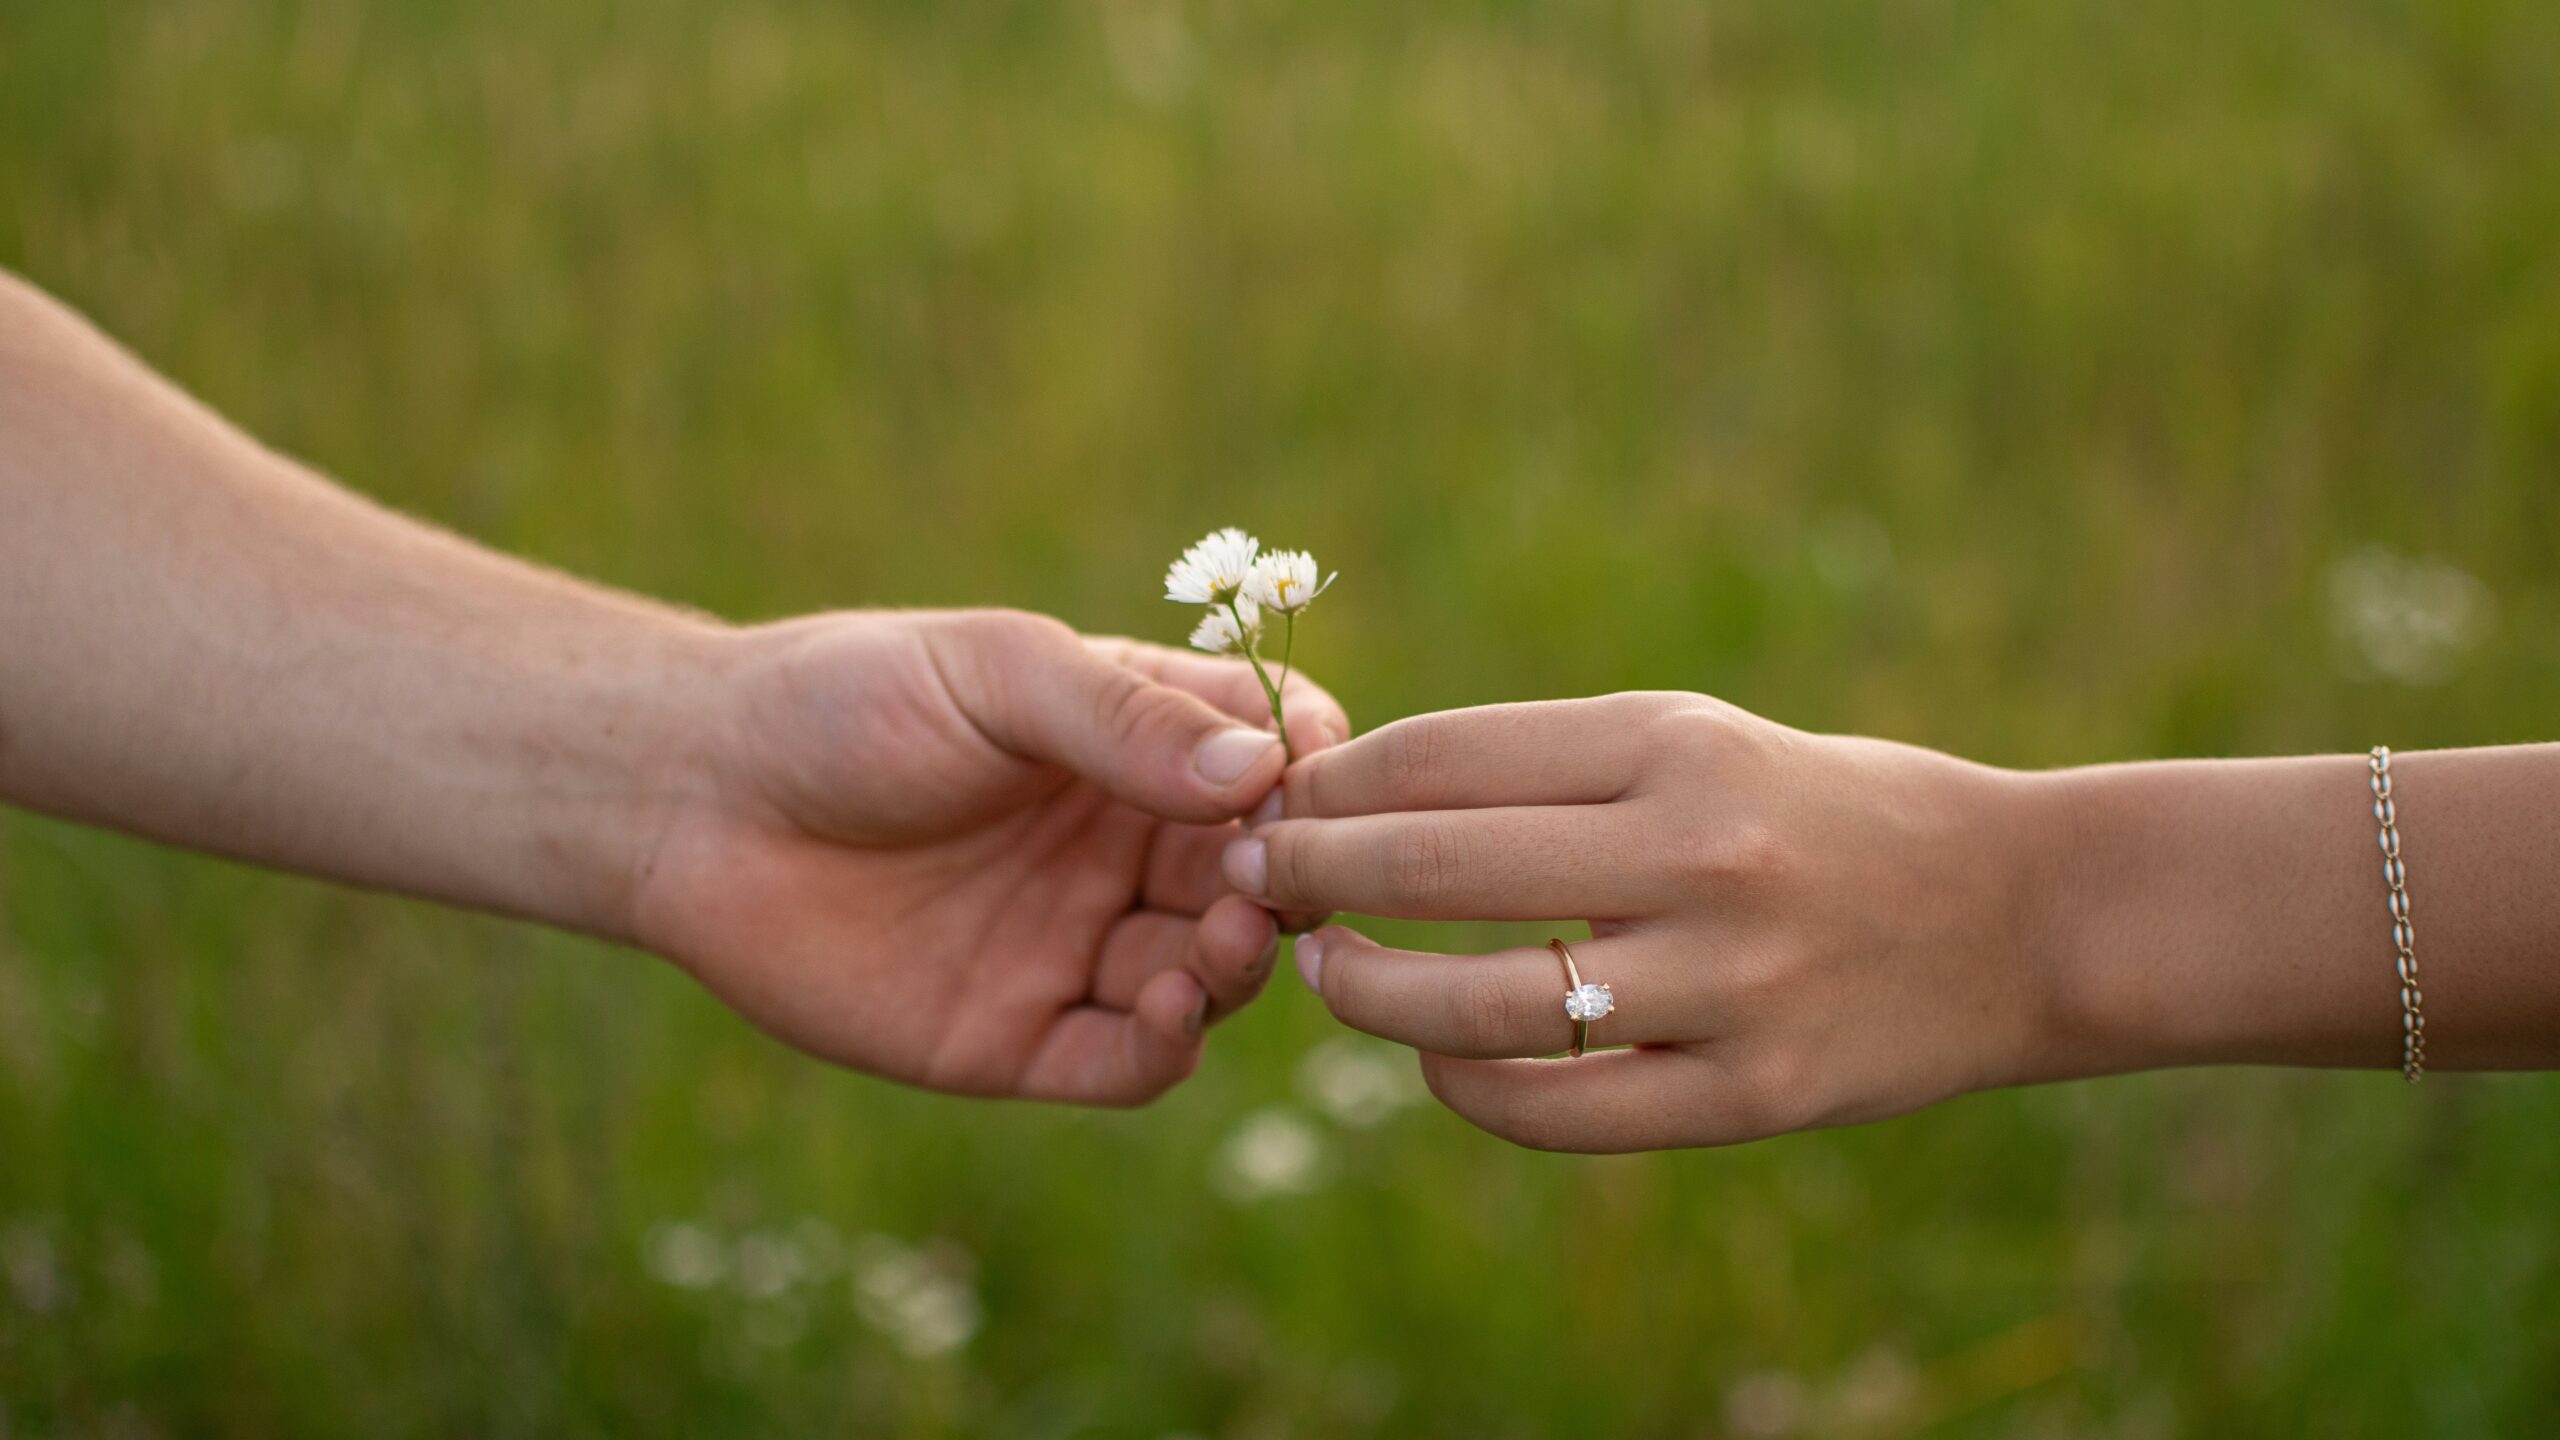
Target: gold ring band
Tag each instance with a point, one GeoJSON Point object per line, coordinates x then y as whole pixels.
{"type": "Point", "coordinates": [1582, 1003]}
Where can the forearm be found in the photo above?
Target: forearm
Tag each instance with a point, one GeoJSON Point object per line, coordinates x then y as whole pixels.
{"type": "Point", "coordinates": [203, 642]}
{"type": "Point", "coordinates": [2235, 911]}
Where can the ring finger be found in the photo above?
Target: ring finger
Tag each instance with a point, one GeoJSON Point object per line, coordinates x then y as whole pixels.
{"type": "Point", "coordinates": [1506, 1005]}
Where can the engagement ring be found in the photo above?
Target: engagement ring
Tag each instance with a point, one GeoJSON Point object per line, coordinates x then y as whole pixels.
{"type": "Point", "coordinates": [1582, 1003]}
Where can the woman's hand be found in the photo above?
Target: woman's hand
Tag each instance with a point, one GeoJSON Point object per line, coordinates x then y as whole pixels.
{"type": "Point", "coordinates": [1799, 930]}
{"type": "Point", "coordinates": [972, 851]}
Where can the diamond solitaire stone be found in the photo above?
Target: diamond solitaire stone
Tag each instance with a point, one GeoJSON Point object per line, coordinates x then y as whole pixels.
{"type": "Point", "coordinates": [1587, 1003]}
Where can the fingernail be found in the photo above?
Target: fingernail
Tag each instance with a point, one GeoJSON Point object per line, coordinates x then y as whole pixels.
{"type": "Point", "coordinates": [1224, 757]}
{"type": "Point", "coordinates": [1261, 965]}
{"type": "Point", "coordinates": [1311, 962]}
{"type": "Point", "coordinates": [1198, 1019]}
{"type": "Point", "coordinates": [1266, 812]}
{"type": "Point", "coordinates": [1247, 864]}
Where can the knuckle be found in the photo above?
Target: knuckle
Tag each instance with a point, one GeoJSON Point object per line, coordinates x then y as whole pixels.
{"type": "Point", "coordinates": [1422, 867]}
{"type": "Point", "coordinates": [1487, 1018]}
{"type": "Point", "coordinates": [1736, 857]}
{"type": "Point", "coordinates": [1011, 632]}
{"type": "Point", "coordinates": [1302, 784]}
{"type": "Point", "coordinates": [1766, 1094]}
{"type": "Point", "coordinates": [1698, 730]}
{"type": "Point", "coordinates": [1756, 857]}
{"type": "Point", "coordinates": [1644, 707]}
{"type": "Point", "coordinates": [955, 1070]}
{"type": "Point", "coordinates": [983, 654]}
{"type": "Point", "coordinates": [1533, 1116]}
{"type": "Point", "coordinates": [1151, 1088]}
{"type": "Point", "coordinates": [1753, 984]}
{"type": "Point", "coordinates": [1539, 1120]}
{"type": "Point", "coordinates": [1288, 865]}
{"type": "Point", "coordinates": [1126, 706]}
{"type": "Point", "coordinates": [1350, 991]}
{"type": "Point", "coordinates": [1140, 1075]}
{"type": "Point", "coordinates": [1701, 738]}
{"type": "Point", "coordinates": [1410, 756]}
{"type": "Point", "coordinates": [1146, 1094]}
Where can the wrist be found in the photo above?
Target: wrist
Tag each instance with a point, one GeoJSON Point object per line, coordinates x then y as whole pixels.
{"type": "Point", "coordinates": [622, 747]}
{"type": "Point", "coordinates": [2024, 855]}
{"type": "Point", "coordinates": [1966, 873]}
{"type": "Point", "coordinates": [2099, 1015]}
{"type": "Point", "coordinates": [2120, 936]}
{"type": "Point", "coordinates": [2210, 912]}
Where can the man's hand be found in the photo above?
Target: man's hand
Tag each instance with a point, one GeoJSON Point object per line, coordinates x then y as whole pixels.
{"type": "Point", "coordinates": [973, 851]}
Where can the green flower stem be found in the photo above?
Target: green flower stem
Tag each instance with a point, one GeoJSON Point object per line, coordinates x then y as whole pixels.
{"type": "Point", "coordinates": [1244, 633]}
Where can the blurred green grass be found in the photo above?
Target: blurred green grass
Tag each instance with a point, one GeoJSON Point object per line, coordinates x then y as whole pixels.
{"type": "Point", "coordinates": [2019, 379]}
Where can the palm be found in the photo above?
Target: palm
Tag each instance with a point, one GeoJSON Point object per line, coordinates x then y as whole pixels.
{"type": "Point", "coordinates": [872, 878]}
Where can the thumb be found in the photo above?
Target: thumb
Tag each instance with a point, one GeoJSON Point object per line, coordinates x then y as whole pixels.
{"type": "Point", "coordinates": [1035, 689]}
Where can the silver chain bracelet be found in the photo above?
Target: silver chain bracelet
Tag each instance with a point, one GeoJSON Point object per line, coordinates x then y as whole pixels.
{"type": "Point", "coordinates": [2413, 1013]}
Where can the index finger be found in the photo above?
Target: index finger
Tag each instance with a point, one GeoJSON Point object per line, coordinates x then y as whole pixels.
{"type": "Point", "coordinates": [1543, 752]}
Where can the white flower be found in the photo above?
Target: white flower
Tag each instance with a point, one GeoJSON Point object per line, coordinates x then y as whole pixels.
{"type": "Point", "coordinates": [686, 1255]}
{"type": "Point", "coordinates": [1360, 1083]}
{"type": "Point", "coordinates": [2406, 619]}
{"type": "Point", "coordinates": [1275, 1151]}
{"type": "Point", "coordinates": [1217, 632]}
{"type": "Point", "coordinates": [1770, 1405]}
{"type": "Point", "coordinates": [1285, 580]}
{"type": "Point", "coordinates": [1213, 571]}
{"type": "Point", "coordinates": [767, 1264]}
{"type": "Point", "coordinates": [32, 1269]}
{"type": "Point", "coordinates": [921, 1299]}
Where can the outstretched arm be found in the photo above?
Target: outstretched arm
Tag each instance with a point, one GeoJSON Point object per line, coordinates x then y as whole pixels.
{"type": "Point", "coordinates": [203, 642]}
{"type": "Point", "coordinates": [970, 850]}
{"type": "Point", "coordinates": [1805, 930]}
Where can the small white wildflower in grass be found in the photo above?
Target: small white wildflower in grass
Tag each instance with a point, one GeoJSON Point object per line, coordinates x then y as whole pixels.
{"type": "Point", "coordinates": [767, 1265]}
{"type": "Point", "coordinates": [920, 1299]}
{"type": "Point", "coordinates": [1360, 1083]}
{"type": "Point", "coordinates": [1228, 573]}
{"type": "Point", "coordinates": [129, 1271]}
{"type": "Point", "coordinates": [2402, 618]}
{"type": "Point", "coordinates": [1878, 1392]}
{"type": "Point", "coordinates": [31, 1264]}
{"type": "Point", "coordinates": [819, 1247]}
{"type": "Point", "coordinates": [686, 1255]}
{"type": "Point", "coordinates": [1770, 1405]}
{"type": "Point", "coordinates": [1275, 1151]}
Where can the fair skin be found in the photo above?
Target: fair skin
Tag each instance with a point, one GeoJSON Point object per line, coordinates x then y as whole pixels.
{"type": "Point", "coordinates": [1806, 930]}
{"type": "Point", "coordinates": [972, 850]}
{"type": "Point", "coordinates": [977, 852]}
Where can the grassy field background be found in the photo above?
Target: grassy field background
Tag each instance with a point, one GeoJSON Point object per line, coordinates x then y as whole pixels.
{"type": "Point", "coordinates": [2049, 382]}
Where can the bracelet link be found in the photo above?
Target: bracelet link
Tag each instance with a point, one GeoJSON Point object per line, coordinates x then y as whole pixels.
{"type": "Point", "coordinates": [2404, 936]}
